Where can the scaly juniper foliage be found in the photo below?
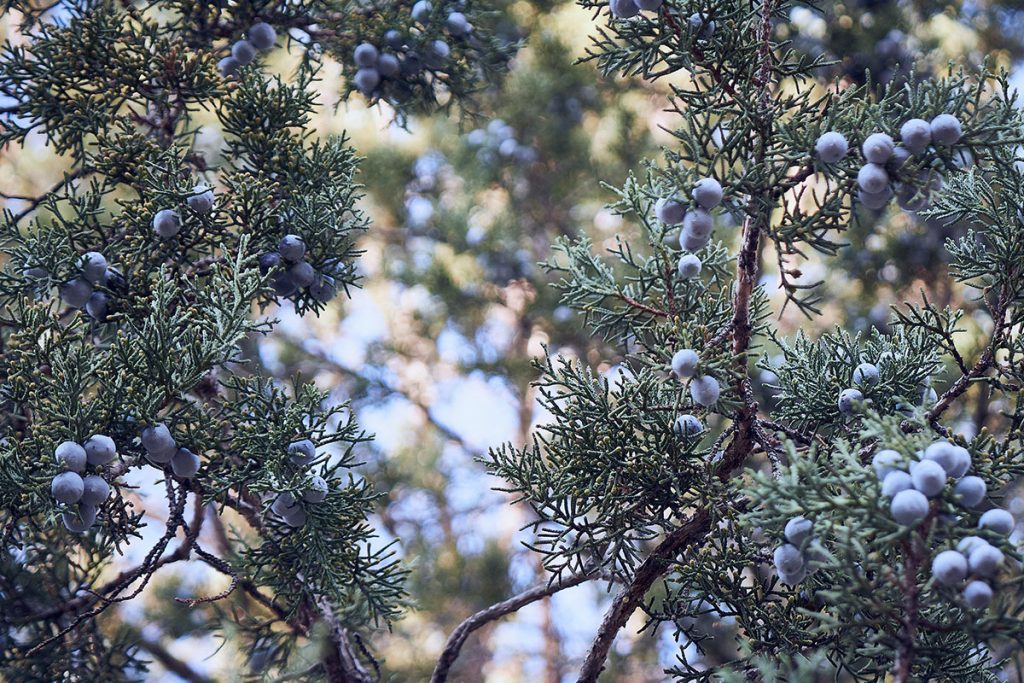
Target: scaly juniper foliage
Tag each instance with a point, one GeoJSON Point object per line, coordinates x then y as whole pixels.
{"type": "Point", "coordinates": [686, 523]}
{"type": "Point", "coordinates": [127, 291]}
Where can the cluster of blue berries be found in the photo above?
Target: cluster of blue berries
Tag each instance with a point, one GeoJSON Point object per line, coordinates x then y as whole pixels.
{"type": "Point", "coordinates": [261, 37]}
{"type": "Point", "coordinates": [695, 217]}
{"type": "Point", "coordinates": [81, 291]}
{"type": "Point", "coordinates": [909, 483]}
{"type": "Point", "coordinates": [864, 375]}
{"type": "Point", "coordinates": [792, 558]}
{"type": "Point", "coordinates": [409, 55]}
{"type": "Point", "coordinates": [161, 449]}
{"type": "Point", "coordinates": [294, 273]}
{"type": "Point", "coordinates": [882, 176]}
{"type": "Point", "coordinates": [498, 142]}
{"type": "Point", "coordinates": [73, 487]}
{"type": "Point", "coordinates": [701, 27]}
{"type": "Point", "coordinates": [167, 222]}
{"type": "Point", "coordinates": [286, 506]}
{"type": "Point", "coordinates": [704, 390]}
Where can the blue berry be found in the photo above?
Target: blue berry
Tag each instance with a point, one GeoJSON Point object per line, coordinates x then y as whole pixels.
{"type": "Point", "coordinates": [704, 29]}
{"type": "Point", "coordinates": [201, 199]}
{"type": "Point", "coordinates": [316, 490]}
{"type": "Point", "coordinates": [692, 242]}
{"type": "Point", "coordinates": [269, 261]}
{"type": "Point", "coordinates": [900, 156]}
{"type": "Point", "coordinates": [985, 559]}
{"type": "Point", "coordinates": [437, 53]}
{"type": "Point", "coordinates": [394, 39]}
{"type": "Point", "coordinates": [877, 149]}
{"type": "Point", "coordinates": [916, 135]}
{"type": "Point", "coordinates": [262, 35]}
{"type": "Point", "coordinates": [969, 543]}
{"type": "Point", "coordinates": [831, 147]}
{"type": "Point", "coordinates": [705, 390]}
{"type": "Point", "coordinates": [166, 223]}
{"type": "Point", "coordinates": [942, 452]}
{"type": "Point", "coordinates": [100, 449]}
{"type": "Point", "coordinates": [970, 491]}
{"type": "Point", "coordinates": [302, 274]}
{"type": "Point", "coordinates": [71, 456]}
{"type": "Point", "coordinates": [80, 520]}
{"type": "Point", "coordinates": [946, 130]}
{"type": "Point", "coordinates": [623, 9]}
{"type": "Point", "coordinates": [872, 178]}
{"type": "Point", "coordinates": [456, 24]}
{"type": "Point", "coordinates": [865, 374]}
{"type": "Point", "coordinates": [788, 558]}
{"type": "Point", "coordinates": [961, 462]}
{"type": "Point", "coordinates": [76, 292]}
{"type": "Point", "coordinates": [688, 267]}
{"type": "Point", "coordinates": [159, 443]}
{"type": "Point", "coordinates": [301, 453]}
{"type": "Point", "coordinates": [707, 192]}
{"type": "Point", "coordinates": [698, 223]}
{"type": "Point", "coordinates": [291, 248]}
{"type": "Point", "coordinates": [977, 594]}
{"type": "Point", "coordinates": [848, 400]}
{"type": "Point", "coordinates": [909, 507]}
{"type": "Point", "coordinates": [886, 461]}
{"type": "Point", "coordinates": [421, 11]}
{"type": "Point", "coordinates": [949, 568]}
{"type": "Point", "coordinates": [185, 463]}
{"type": "Point", "coordinates": [929, 477]}
{"type": "Point", "coordinates": [798, 530]}
{"type": "Point", "coordinates": [895, 482]}
{"type": "Point", "coordinates": [96, 306]}
{"type": "Point", "coordinates": [284, 285]}
{"type": "Point", "coordinates": [875, 200]}
{"type": "Point", "coordinates": [687, 425]}
{"type": "Point", "coordinates": [684, 363]}
{"type": "Point", "coordinates": [67, 487]}
{"type": "Point", "coordinates": [93, 266]}
{"type": "Point", "coordinates": [366, 81]}
{"type": "Point", "coordinates": [365, 55]}
{"type": "Point", "coordinates": [95, 490]}
{"type": "Point", "coordinates": [387, 65]}
{"type": "Point", "coordinates": [228, 66]}
{"type": "Point", "coordinates": [670, 210]}
{"type": "Point", "coordinates": [997, 520]}
{"type": "Point", "coordinates": [284, 504]}
{"type": "Point", "coordinates": [323, 288]}
{"type": "Point", "coordinates": [243, 51]}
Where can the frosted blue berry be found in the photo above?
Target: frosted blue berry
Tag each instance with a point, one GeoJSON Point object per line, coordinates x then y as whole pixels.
{"type": "Point", "coordinates": [316, 490]}
{"type": "Point", "coordinates": [970, 491]}
{"type": "Point", "coordinates": [872, 178]}
{"type": "Point", "coordinates": [649, 5]}
{"type": "Point", "coordinates": [688, 267]}
{"type": "Point", "coordinates": [703, 28]}
{"type": "Point", "coordinates": [76, 292]}
{"type": "Point", "coordinates": [623, 9]}
{"type": "Point", "coordinates": [788, 558]}
{"type": "Point", "coordinates": [877, 149]}
{"type": "Point", "coordinates": [886, 461]}
{"type": "Point", "coordinates": [707, 192]}
{"type": "Point", "coordinates": [291, 248]}
{"type": "Point", "coordinates": [985, 559]}
{"type": "Point", "coordinates": [394, 39]}
{"type": "Point", "coordinates": [865, 374]}
{"type": "Point", "coordinates": [323, 288]}
{"type": "Point", "coordinates": [946, 130]}
{"type": "Point", "coordinates": [942, 452]}
{"type": "Point", "coordinates": [421, 11]}
{"type": "Point", "coordinates": [70, 456]}
{"type": "Point", "coordinates": [848, 400]}
{"type": "Point", "coordinates": [302, 273]}
{"type": "Point", "coordinates": [95, 490]}
{"type": "Point", "coordinates": [296, 518]}
{"type": "Point", "coordinates": [301, 453]}
{"type": "Point", "coordinates": [793, 578]}
{"type": "Point", "coordinates": [687, 425]}
{"type": "Point", "coordinates": [184, 463]}
{"type": "Point", "coordinates": [797, 530]}
{"type": "Point", "coordinates": [909, 507]}
{"type": "Point", "coordinates": [97, 305]}
{"type": "Point", "coordinates": [698, 222]}
{"type": "Point", "coordinates": [284, 285]}
{"type": "Point", "coordinates": [159, 443]}
{"type": "Point", "coordinates": [969, 543]}
{"type": "Point", "coordinates": [269, 261]}
{"type": "Point", "coordinates": [262, 35]}
{"type": "Point", "coordinates": [35, 272]}
{"type": "Point", "coordinates": [900, 156]}
{"type": "Point", "coordinates": [670, 210]}
{"type": "Point", "coordinates": [997, 520]}
{"type": "Point", "coordinates": [875, 200]}
{"type": "Point", "coordinates": [961, 462]}
{"type": "Point", "coordinates": [691, 242]}
{"type": "Point", "coordinates": [977, 594]}
{"type": "Point", "coordinates": [929, 477]}
{"type": "Point", "coordinates": [705, 390]}
{"type": "Point", "coordinates": [284, 504]}
{"type": "Point", "coordinates": [166, 223]}
{"type": "Point", "coordinates": [387, 65]}
{"type": "Point", "coordinates": [911, 198]}
{"type": "Point", "coordinates": [365, 55]}
{"type": "Point", "coordinates": [895, 482]}
{"type": "Point", "coordinates": [201, 199]}
{"type": "Point", "coordinates": [437, 53]}
{"type": "Point", "coordinates": [916, 135]}
{"type": "Point", "coordinates": [831, 147]}
{"type": "Point", "coordinates": [684, 363]}
{"type": "Point", "coordinates": [949, 568]}
{"type": "Point", "coordinates": [228, 66]}
{"type": "Point", "coordinates": [99, 449]}
{"type": "Point", "coordinates": [366, 81]}
{"type": "Point", "coordinates": [456, 24]}
{"type": "Point", "coordinates": [79, 520]}
{"type": "Point", "coordinates": [243, 51]}
{"type": "Point", "coordinates": [67, 487]}
{"type": "Point", "coordinates": [93, 266]}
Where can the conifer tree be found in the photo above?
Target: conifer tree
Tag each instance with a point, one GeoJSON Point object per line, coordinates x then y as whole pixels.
{"type": "Point", "coordinates": [841, 526]}
{"type": "Point", "coordinates": [129, 289]}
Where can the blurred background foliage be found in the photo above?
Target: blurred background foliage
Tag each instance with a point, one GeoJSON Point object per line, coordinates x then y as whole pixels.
{"type": "Point", "coordinates": [434, 350]}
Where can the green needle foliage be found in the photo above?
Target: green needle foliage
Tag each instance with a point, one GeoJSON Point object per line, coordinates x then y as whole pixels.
{"type": "Point", "coordinates": [155, 336]}
{"type": "Point", "coordinates": [683, 525]}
